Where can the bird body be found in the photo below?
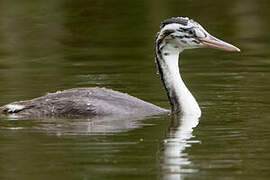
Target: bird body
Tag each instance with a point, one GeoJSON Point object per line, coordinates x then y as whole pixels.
{"type": "Point", "coordinates": [87, 102]}
{"type": "Point", "coordinates": [176, 35]}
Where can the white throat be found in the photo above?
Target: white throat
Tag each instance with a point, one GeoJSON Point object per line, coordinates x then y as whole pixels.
{"type": "Point", "coordinates": [180, 97]}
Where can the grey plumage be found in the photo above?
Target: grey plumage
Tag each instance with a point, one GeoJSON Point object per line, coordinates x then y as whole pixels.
{"type": "Point", "coordinates": [84, 102]}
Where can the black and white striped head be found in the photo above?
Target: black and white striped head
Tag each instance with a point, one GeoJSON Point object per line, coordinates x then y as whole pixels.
{"type": "Point", "coordinates": [184, 33]}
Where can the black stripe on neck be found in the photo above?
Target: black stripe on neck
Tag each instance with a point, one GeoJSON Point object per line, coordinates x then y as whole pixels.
{"type": "Point", "coordinates": [175, 106]}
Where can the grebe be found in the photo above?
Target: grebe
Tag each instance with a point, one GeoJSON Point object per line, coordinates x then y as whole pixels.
{"type": "Point", "coordinates": [175, 35]}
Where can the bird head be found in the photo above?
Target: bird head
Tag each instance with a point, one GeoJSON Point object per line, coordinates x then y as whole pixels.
{"type": "Point", "coordinates": [184, 33]}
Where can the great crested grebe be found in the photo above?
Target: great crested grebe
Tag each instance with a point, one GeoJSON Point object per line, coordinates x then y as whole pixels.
{"type": "Point", "coordinates": [175, 35]}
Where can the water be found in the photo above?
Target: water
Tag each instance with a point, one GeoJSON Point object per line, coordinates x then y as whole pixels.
{"type": "Point", "coordinates": [52, 45]}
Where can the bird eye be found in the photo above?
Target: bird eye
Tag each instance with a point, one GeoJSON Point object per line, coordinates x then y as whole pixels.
{"type": "Point", "coordinates": [191, 31]}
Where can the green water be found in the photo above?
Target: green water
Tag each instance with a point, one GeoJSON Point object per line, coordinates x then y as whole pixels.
{"type": "Point", "coordinates": [47, 46]}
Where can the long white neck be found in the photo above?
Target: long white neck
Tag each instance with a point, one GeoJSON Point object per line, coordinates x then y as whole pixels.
{"type": "Point", "coordinates": [181, 99]}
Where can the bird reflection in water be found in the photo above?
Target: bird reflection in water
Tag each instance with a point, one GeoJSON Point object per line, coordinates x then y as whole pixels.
{"type": "Point", "coordinates": [172, 155]}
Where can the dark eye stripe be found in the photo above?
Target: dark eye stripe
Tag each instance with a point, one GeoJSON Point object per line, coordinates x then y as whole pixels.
{"type": "Point", "coordinates": [197, 42]}
{"type": "Point", "coordinates": [181, 37]}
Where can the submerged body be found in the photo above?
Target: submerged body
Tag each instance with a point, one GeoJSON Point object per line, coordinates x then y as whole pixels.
{"type": "Point", "coordinates": [176, 35]}
{"type": "Point", "coordinates": [83, 102]}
